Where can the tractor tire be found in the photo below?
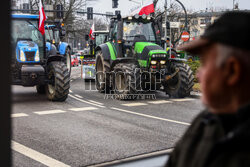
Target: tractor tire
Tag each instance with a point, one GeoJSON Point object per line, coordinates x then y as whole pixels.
{"type": "Point", "coordinates": [103, 81]}
{"type": "Point", "coordinates": [180, 85]}
{"type": "Point", "coordinates": [127, 81]}
{"type": "Point", "coordinates": [68, 60]}
{"type": "Point", "coordinates": [40, 89]}
{"type": "Point", "coordinates": [59, 75]}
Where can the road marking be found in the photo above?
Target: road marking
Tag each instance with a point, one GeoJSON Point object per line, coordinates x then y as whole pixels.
{"type": "Point", "coordinates": [95, 102]}
{"type": "Point", "coordinates": [160, 102]}
{"type": "Point", "coordinates": [149, 116]}
{"type": "Point", "coordinates": [37, 156]}
{"type": "Point", "coordinates": [49, 112]}
{"type": "Point", "coordinates": [19, 115]}
{"type": "Point", "coordinates": [137, 157]}
{"type": "Point", "coordinates": [78, 96]}
{"type": "Point", "coordinates": [84, 101]}
{"type": "Point", "coordinates": [188, 99]}
{"type": "Point", "coordinates": [134, 104]}
{"type": "Point", "coordinates": [83, 109]}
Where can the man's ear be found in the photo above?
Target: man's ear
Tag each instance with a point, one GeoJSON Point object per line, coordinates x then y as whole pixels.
{"type": "Point", "coordinates": [232, 71]}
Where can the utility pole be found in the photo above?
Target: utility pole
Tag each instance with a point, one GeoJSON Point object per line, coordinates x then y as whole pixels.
{"type": "Point", "coordinates": [165, 36]}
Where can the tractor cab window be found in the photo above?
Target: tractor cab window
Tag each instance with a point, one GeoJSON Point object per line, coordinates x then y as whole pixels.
{"type": "Point", "coordinates": [143, 30]}
{"type": "Point", "coordinates": [27, 30]}
{"type": "Point", "coordinates": [57, 36]}
{"type": "Point", "coordinates": [48, 34]}
{"type": "Point", "coordinates": [113, 32]}
{"type": "Point", "coordinates": [100, 39]}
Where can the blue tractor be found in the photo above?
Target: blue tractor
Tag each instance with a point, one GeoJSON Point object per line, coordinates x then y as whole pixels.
{"type": "Point", "coordinates": [36, 63]}
{"type": "Point", "coordinates": [53, 33]}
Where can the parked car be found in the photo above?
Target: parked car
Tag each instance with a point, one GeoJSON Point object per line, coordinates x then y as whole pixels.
{"type": "Point", "coordinates": [78, 56]}
{"type": "Point", "coordinates": [74, 61]}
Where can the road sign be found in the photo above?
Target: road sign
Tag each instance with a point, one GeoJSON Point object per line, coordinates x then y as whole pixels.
{"type": "Point", "coordinates": [174, 24]}
{"type": "Point", "coordinates": [185, 36]}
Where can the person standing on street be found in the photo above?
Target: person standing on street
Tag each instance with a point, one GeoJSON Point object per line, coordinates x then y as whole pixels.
{"type": "Point", "coordinates": [220, 135]}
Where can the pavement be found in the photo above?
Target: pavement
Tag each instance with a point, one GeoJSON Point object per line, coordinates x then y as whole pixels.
{"type": "Point", "coordinates": [88, 129]}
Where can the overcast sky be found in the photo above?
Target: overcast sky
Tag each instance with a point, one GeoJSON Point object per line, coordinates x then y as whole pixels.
{"type": "Point", "coordinates": [196, 5]}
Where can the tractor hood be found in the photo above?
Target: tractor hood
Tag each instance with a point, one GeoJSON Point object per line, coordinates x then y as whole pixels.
{"type": "Point", "coordinates": [27, 46]}
{"type": "Point", "coordinates": [146, 49]}
{"type": "Point", "coordinates": [28, 49]}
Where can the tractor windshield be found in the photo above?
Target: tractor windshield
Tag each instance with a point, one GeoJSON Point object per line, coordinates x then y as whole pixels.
{"type": "Point", "coordinates": [48, 35]}
{"type": "Point", "coordinates": [51, 34]}
{"type": "Point", "coordinates": [132, 29]}
{"type": "Point", "coordinates": [100, 38]}
{"type": "Point", "coordinates": [23, 29]}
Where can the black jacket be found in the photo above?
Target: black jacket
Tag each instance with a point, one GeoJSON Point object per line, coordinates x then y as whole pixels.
{"type": "Point", "coordinates": [215, 141]}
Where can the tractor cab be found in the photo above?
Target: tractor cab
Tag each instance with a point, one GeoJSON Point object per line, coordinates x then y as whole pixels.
{"type": "Point", "coordinates": [54, 33]}
{"type": "Point", "coordinates": [27, 41]}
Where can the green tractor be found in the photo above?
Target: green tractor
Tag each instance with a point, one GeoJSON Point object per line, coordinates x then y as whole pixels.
{"type": "Point", "coordinates": [133, 62]}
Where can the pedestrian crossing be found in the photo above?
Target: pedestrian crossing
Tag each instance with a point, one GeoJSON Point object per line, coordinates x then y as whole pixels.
{"type": "Point", "coordinates": [98, 105]}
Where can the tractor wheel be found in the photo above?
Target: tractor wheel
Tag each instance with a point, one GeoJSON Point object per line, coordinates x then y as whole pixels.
{"type": "Point", "coordinates": [126, 81]}
{"type": "Point", "coordinates": [103, 83]}
{"type": "Point", "coordinates": [58, 74]}
{"type": "Point", "coordinates": [68, 59]}
{"type": "Point", "coordinates": [181, 84]}
{"type": "Point", "coordinates": [40, 89]}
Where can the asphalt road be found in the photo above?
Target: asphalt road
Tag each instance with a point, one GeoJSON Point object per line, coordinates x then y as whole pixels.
{"type": "Point", "coordinates": [87, 129]}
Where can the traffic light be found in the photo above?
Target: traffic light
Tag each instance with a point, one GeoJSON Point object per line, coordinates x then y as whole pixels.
{"type": "Point", "coordinates": [26, 6]}
{"type": "Point", "coordinates": [90, 13]}
{"type": "Point", "coordinates": [167, 24]}
{"type": "Point", "coordinates": [114, 3]}
{"type": "Point", "coordinates": [59, 13]}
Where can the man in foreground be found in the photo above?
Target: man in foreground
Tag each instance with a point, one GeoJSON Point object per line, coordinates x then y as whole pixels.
{"type": "Point", "coordinates": [220, 135]}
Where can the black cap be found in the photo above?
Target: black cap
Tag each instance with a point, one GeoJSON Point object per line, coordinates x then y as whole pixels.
{"type": "Point", "coordinates": [232, 28]}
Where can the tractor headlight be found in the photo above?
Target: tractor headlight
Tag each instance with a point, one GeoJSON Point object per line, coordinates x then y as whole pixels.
{"type": "Point", "coordinates": [37, 58]}
{"type": "Point", "coordinates": [153, 62]}
{"type": "Point", "coordinates": [163, 62]}
{"type": "Point", "coordinates": [22, 56]}
{"type": "Point", "coordinates": [144, 16]}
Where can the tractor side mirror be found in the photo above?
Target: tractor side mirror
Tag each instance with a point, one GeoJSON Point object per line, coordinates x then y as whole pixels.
{"type": "Point", "coordinates": [86, 37]}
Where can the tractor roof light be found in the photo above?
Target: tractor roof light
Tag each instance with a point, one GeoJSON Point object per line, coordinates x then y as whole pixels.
{"type": "Point", "coordinates": [144, 16]}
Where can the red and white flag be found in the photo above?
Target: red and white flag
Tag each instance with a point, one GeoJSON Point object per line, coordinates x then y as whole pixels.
{"type": "Point", "coordinates": [42, 18]}
{"type": "Point", "coordinates": [146, 9]}
{"type": "Point", "coordinates": [91, 35]}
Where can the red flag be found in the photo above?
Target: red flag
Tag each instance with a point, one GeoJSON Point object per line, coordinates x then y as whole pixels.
{"type": "Point", "coordinates": [42, 18]}
{"type": "Point", "coordinates": [91, 36]}
{"type": "Point", "coordinates": [148, 9]}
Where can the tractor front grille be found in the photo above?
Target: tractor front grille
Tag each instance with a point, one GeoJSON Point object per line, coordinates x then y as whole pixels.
{"type": "Point", "coordinates": [30, 56]}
